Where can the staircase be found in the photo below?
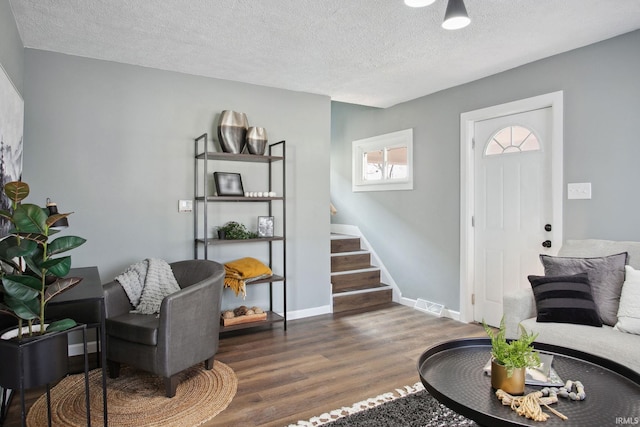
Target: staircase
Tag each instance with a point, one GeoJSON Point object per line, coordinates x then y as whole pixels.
{"type": "Point", "coordinates": [355, 282]}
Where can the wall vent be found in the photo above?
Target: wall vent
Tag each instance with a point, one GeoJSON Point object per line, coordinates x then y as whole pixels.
{"type": "Point", "coordinates": [429, 307]}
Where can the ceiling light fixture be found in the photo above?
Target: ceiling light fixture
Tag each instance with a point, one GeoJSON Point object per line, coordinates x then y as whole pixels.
{"type": "Point", "coordinates": [418, 3]}
{"type": "Point", "coordinates": [456, 16]}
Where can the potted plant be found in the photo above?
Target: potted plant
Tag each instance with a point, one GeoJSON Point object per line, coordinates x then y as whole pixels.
{"type": "Point", "coordinates": [31, 276]}
{"type": "Point", "coordinates": [233, 230]}
{"type": "Point", "coordinates": [510, 358]}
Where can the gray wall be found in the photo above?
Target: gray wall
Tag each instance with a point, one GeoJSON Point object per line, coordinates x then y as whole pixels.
{"type": "Point", "coordinates": [11, 50]}
{"type": "Point", "coordinates": [416, 233]}
{"type": "Point", "coordinates": [114, 144]}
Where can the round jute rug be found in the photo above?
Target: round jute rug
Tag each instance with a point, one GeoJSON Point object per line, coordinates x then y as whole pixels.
{"type": "Point", "coordinates": [137, 398]}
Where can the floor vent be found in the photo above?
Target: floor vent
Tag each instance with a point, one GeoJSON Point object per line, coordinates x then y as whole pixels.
{"type": "Point", "coordinates": [429, 307]}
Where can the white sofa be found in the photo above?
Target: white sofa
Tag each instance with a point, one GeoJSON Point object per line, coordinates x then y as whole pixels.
{"type": "Point", "coordinates": [607, 342]}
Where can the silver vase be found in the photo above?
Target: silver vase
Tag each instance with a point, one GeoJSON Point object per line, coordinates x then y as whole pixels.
{"type": "Point", "coordinates": [232, 131]}
{"type": "Point", "coordinates": [256, 140]}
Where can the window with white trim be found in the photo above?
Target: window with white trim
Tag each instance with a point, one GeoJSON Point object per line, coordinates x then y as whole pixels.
{"type": "Point", "coordinates": [383, 162]}
{"type": "Point", "coordinates": [512, 139]}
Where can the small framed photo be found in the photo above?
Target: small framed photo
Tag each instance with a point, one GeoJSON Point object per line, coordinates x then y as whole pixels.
{"type": "Point", "coordinates": [228, 184]}
{"type": "Point", "coordinates": [265, 226]}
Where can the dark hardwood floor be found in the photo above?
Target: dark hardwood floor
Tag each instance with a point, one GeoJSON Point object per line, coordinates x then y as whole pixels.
{"type": "Point", "coordinates": [322, 363]}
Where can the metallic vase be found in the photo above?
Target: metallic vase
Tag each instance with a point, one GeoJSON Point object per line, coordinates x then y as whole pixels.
{"type": "Point", "coordinates": [256, 140]}
{"type": "Point", "coordinates": [513, 384]}
{"type": "Point", "coordinates": [232, 131]}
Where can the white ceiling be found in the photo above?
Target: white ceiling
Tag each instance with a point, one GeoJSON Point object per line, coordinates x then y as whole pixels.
{"type": "Point", "coordinates": [370, 52]}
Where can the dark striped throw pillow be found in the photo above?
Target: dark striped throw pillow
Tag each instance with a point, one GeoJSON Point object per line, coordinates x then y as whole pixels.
{"type": "Point", "coordinates": [565, 299]}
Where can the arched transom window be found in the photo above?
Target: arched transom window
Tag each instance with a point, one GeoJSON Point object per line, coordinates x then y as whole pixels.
{"type": "Point", "coordinates": [512, 139]}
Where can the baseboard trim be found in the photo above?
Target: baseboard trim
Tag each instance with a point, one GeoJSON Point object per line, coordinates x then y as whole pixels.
{"type": "Point", "coordinates": [78, 349]}
{"type": "Point", "coordinates": [309, 312]}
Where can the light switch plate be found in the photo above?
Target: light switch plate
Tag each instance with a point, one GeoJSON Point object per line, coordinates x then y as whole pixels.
{"type": "Point", "coordinates": [579, 190]}
{"type": "Point", "coordinates": [185, 206]}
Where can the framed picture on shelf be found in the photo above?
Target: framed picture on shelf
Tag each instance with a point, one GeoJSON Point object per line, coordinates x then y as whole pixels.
{"type": "Point", "coordinates": [228, 184]}
{"type": "Point", "coordinates": [265, 226]}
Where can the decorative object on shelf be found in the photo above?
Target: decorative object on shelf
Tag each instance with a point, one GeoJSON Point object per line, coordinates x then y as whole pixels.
{"type": "Point", "coordinates": [228, 184]}
{"type": "Point", "coordinates": [256, 140]}
{"type": "Point", "coordinates": [265, 226]}
{"type": "Point", "coordinates": [260, 194]}
{"type": "Point", "coordinates": [31, 277]}
{"type": "Point", "coordinates": [510, 359]}
{"type": "Point", "coordinates": [233, 230]}
{"type": "Point", "coordinates": [232, 131]}
{"type": "Point", "coordinates": [242, 314]}
{"type": "Point", "coordinates": [242, 271]}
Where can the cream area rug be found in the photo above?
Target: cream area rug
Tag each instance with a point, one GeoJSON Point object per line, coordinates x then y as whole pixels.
{"type": "Point", "coordinates": [137, 398]}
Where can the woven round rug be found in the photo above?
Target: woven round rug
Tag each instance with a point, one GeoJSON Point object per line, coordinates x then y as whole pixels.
{"type": "Point", "coordinates": [137, 398]}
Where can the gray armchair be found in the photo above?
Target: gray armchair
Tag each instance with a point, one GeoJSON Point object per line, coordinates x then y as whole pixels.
{"type": "Point", "coordinates": [182, 335]}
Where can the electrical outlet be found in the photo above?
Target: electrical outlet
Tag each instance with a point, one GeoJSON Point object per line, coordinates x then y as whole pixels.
{"type": "Point", "coordinates": [579, 190]}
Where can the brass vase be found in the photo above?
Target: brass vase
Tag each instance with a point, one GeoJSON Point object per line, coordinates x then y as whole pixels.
{"type": "Point", "coordinates": [256, 140]}
{"type": "Point", "coordinates": [232, 131]}
{"type": "Point", "coordinates": [513, 385]}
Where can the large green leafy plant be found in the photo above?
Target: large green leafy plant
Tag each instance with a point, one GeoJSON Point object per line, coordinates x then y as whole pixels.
{"type": "Point", "coordinates": [31, 273]}
{"type": "Point", "coordinates": [513, 354]}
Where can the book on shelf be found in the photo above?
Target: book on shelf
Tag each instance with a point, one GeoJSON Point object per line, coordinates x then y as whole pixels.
{"type": "Point", "coordinates": [542, 375]}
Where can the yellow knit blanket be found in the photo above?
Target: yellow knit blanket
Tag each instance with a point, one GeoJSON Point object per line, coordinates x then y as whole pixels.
{"type": "Point", "coordinates": [243, 270]}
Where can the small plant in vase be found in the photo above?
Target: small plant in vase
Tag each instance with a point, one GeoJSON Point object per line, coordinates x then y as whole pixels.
{"type": "Point", "coordinates": [233, 230]}
{"type": "Point", "coordinates": [31, 274]}
{"type": "Point", "coordinates": [510, 358]}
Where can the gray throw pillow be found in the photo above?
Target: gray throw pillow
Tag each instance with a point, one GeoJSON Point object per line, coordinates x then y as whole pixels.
{"type": "Point", "coordinates": [606, 275]}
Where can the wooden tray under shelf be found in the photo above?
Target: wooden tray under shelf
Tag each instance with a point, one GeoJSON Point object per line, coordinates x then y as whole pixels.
{"type": "Point", "coordinates": [247, 318]}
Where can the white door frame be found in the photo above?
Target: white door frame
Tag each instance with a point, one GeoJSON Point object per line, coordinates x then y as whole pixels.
{"type": "Point", "coordinates": [467, 183]}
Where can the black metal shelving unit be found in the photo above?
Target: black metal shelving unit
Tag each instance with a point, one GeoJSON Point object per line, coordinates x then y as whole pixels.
{"type": "Point", "coordinates": [202, 241]}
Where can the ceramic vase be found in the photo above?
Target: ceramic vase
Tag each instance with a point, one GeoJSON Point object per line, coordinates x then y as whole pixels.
{"type": "Point", "coordinates": [256, 140]}
{"type": "Point", "coordinates": [513, 384]}
{"type": "Point", "coordinates": [232, 131]}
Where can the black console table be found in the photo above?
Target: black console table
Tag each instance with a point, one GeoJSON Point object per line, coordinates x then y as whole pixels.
{"type": "Point", "coordinates": [85, 304]}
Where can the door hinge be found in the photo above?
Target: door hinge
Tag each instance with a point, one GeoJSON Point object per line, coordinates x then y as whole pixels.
{"type": "Point", "coordinates": [473, 221]}
{"type": "Point", "coordinates": [473, 299]}
{"type": "Point", "coordinates": [473, 143]}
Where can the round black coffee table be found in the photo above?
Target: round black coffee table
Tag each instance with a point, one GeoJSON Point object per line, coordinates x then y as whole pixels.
{"type": "Point", "coordinates": [452, 373]}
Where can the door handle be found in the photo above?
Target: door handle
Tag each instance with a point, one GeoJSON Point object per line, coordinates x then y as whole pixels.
{"type": "Point", "coordinates": [547, 227]}
{"type": "Point", "coordinates": [546, 244]}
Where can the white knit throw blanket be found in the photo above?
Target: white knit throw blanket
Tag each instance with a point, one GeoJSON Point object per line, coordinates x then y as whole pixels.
{"type": "Point", "coordinates": [146, 283]}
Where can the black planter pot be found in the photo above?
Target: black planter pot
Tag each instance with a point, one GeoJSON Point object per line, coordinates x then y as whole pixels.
{"type": "Point", "coordinates": [36, 360]}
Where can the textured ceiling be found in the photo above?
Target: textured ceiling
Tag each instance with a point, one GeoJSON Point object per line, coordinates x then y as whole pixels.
{"type": "Point", "coordinates": [369, 52]}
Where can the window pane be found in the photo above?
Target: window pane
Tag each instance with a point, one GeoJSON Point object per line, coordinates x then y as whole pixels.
{"type": "Point", "coordinates": [531, 143]}
{"type": "Point", "coordinates": [512, 139]}
{"type": "Point", "coordinates": [397, 163]}
{"type": "Point", "coordinates": [373, 164]}
{"type": "Point", "coordinates": [493, 148]}
{"type": "Point", "coordinates": [519, 134]}
{"type": "Point", "coordinates": [503, 137]}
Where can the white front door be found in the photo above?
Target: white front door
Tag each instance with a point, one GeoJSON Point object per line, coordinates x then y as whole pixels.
{"type": "Point", "coordinates": [513, 213]}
